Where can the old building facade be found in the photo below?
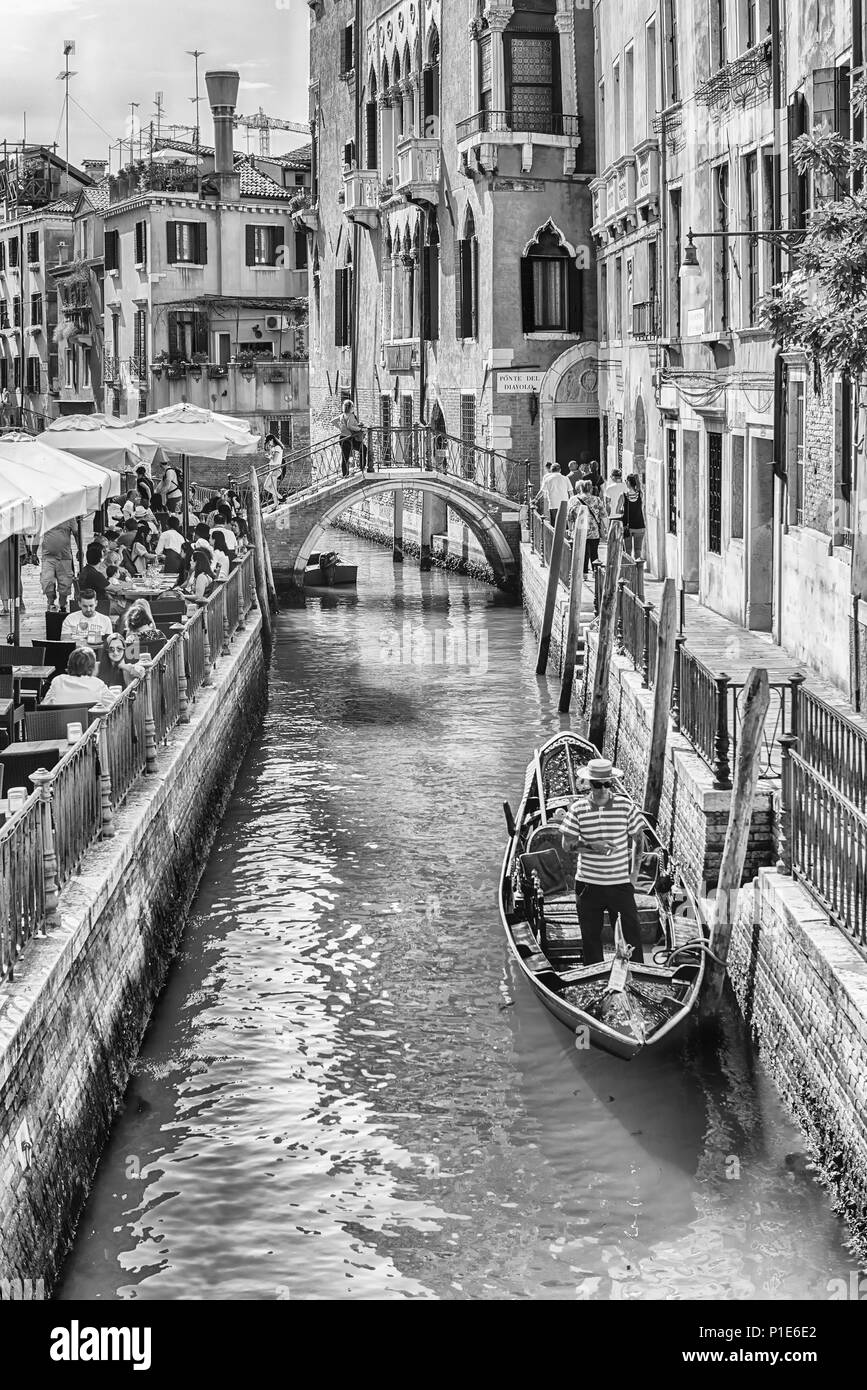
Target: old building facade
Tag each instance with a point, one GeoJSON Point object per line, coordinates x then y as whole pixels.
{"type": "Point", "coordinates": [36, 234]}
{"type": "Point", "coordinates": [749, 476]}
{"type": "Point", "coordinates": [206, 287]}
{"type": "Point", "coordinates": [449, 223]}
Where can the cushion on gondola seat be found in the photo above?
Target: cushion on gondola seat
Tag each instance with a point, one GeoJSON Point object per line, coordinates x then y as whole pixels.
{"type": "Point", "coordinates": [548, 865]}
{"type": "Point", "coordinates": [550, 836]}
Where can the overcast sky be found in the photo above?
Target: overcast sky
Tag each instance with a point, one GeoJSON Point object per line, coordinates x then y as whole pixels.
{"type": "Point", "coordinates": [126, 53]}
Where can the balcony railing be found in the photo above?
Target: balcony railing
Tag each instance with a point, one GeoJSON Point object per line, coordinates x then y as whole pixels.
{"type": "Point", "coordinates": [508, 122]}
{"type": "Point", "coordinates": [110, 366]}
{"type": "Point", "coordinates": [418, 169]}
{"type": "Point", "coordinates": [361, 192]}
{"type": "Point", "coordinates": [138, 366]}
{"type": "Point", "coordinates": [644, 319]}
{"type": "Point", "coordinates": [400, 357]}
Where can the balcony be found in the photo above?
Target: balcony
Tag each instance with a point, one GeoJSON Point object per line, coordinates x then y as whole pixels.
{"type": "Point", "coordinates": [400, 357]}
{"type": "Point", "coordinates": [304, 213]}
{"type": "Point", "coordinates": [361, 197]}
{"type": "Point", "coordinates": [138, 367]}
{"type": "Point", "coordinates": [418, 170]}
{"type": "Point", "coordinates": [110, 367]}
{"type": "Point", "coordinates": [647, 175]}
{"type": "Point", "coordinates": [486, 130]}
{"type": "Point", "coordinates": [644, 319]}
{"type": "Point", "coordinates": [76, 395]}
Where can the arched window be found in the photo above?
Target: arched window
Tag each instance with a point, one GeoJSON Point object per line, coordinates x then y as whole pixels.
{"type": "Point", "coordinates": [467, 281]}
{"type": "Point", "coordinates": [550, 285]}
{"type": "Point", "coordinates": [431, 88]}
{"type": "Point", "coordinates": [371, 114]}
{"type": "Point", "coordinates": [343, 300]}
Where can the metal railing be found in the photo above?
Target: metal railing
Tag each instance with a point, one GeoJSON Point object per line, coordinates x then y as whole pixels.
{"type": "Point", "coordinates": [834, 746]}
{"type": "Point", "coordinates": [644, 319]}
{"type": "Point", "coordinates": [824, 843]}
{"type": "Point", "coordinates": [110, 366]}
{"type": "Point", "coordinates": [504, 122]}
{"type": "Point", "coordinates": [44, 844]}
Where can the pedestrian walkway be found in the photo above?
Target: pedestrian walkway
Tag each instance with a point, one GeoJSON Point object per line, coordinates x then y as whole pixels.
{"type": "Point", "coordinates": [726, 648]}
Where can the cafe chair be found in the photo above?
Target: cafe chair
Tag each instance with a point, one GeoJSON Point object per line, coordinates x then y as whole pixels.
{"type": "Point", "coordinates": [10, 723]}
{"type": "Point", "coordinates": [52, 722]}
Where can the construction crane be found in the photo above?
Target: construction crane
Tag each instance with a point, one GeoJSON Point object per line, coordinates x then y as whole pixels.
{"type": "Point", "coordinates": [265, 124]}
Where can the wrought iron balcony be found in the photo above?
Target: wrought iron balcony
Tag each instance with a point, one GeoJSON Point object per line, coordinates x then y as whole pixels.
{"type": "Point", "coordinates": [400, 357]}
{"type": "Point", "coordinates": [518, 122]}
{"type": "Point", "coordinates": [418, 170]}
{"type": "Point", "coordinates": [138, 366]}
{"type": "Point", "coordinates": [110, 366]}
{"type": "Point", "coordinates": [361, 197]}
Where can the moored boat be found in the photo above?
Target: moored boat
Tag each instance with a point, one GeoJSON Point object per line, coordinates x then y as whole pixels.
{"type": "Point", "coordinates": [619, 1005]}
{"type": "Point", "coordinates": [327, 571]}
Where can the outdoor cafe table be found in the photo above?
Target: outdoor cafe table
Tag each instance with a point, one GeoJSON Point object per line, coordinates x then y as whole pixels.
{"type": "Point", "coordinates": [32, 673]}
{"type": "Point", "coordinates": [13, 751]}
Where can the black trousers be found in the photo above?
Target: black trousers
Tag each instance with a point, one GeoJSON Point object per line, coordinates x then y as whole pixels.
{"type": "Point", "coordinates": [347, 447]}
{"type": "Point", "coordinates": [618, 899]}
{"type": "Point", "coordinates": [591, 555]}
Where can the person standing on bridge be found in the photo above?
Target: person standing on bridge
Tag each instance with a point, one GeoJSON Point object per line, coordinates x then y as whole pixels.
{"type": "Point", "coordinates": [274, 451]}
{"type": "Point", "coordinates": [351, 437]}
{"type": "Point", "coordinates": [555, 489]}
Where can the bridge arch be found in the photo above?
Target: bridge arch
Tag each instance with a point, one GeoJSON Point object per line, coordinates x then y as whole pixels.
{"type": "Point", "coordinates": [469, 503]}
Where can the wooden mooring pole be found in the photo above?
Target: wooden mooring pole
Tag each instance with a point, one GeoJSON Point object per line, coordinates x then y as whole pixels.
{"type": "Point", "coordinates": [755, 709]}
{"type": "Point", "coordinates": [662, 686]}
{"type": "Point", "coordinates": [257, 534]}
{"type": "Point", "coordinates": [551, 592]}
{"type": "Point", "coordinates": [607, 620]}
{"type": "Point", "coordinates": [573, 620]}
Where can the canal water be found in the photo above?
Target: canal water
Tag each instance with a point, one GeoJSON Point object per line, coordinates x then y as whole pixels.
{"type": "Point", "coordinates": [347, 1091]}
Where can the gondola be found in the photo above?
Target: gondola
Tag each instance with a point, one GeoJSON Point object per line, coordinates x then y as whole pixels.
{"type": "Point", "coordinates": [617, 1005]}
{"type": "Point", "coordinates": [326, 571]}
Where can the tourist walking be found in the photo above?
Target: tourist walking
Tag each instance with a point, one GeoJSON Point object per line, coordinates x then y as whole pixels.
{"type": "Point", "coordinates": [555, 489]}
{"type": "Point", "coordinates": [613, 492]}
{"type": "Point", "coordinates": [584, 501]}
{"type": "Point", "coordinates": [605, 828]}
{"type": "Point", "coordinates": [57, 574]}
{"type": "Point", "coordinates": [634, 525]}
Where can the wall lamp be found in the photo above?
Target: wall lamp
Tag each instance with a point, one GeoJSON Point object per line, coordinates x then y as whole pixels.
{"type": "Point", "coordinates": [777, 236]}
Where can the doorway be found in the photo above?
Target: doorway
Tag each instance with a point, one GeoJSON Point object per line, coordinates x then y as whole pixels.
{"type": "Point", "coordinates": [576, 438]}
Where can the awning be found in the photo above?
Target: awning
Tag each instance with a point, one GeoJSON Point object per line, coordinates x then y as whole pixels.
{"type": "Point", "coordinates": [40, 487]}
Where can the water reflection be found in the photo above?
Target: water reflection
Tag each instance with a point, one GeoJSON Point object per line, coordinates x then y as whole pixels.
{"type": "Point", "coordinates": [347, 1091]}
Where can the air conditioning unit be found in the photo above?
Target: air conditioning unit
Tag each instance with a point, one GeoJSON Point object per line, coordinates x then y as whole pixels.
{"type": "Point", "coordinates": [277, 323]}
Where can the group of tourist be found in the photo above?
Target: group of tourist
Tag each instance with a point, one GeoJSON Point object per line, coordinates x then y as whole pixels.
{"type": "Point", "coordinates": [582, 487]}
{"type": "Point", "coordinates": [108, 625]}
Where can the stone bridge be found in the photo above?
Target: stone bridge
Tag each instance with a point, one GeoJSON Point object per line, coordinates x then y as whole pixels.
{"type": "Point", "coordinates": [294, 529]}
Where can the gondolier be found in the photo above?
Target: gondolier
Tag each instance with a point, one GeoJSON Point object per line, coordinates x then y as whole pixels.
{"type": "Point", "coordinates": [605, 828]}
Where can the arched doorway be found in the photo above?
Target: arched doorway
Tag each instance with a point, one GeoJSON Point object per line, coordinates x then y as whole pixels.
{"type": "Point", "coordinates": [569, 406]}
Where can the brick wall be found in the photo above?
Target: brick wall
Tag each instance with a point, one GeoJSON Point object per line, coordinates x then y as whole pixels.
{"type": "Point", "coordinates": [818, 460]}
{"type": "Point", "coordinates": [801, 987]}
{"type": "Point", "coordinates": [71, 1023]}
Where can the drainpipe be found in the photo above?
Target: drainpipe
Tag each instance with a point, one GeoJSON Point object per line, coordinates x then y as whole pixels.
{"type": "Point", "coordinates": [780, 372]}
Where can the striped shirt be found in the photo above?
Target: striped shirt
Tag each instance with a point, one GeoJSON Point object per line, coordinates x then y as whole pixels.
{"type": "Point", "coordinates": [616, 823]}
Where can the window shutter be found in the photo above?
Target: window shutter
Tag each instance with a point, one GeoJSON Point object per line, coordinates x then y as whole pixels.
{"type": "Point", "coordinates": [202, 243]}
{"type": "Point", "coordinates": [427, 97]}
{"type": "Point", "coordinates": [574, 305]}
{"type": "Point", "coordinates": [144, 242]}
{"type": "Point", "coordinates": [172, 320]}
{"type": "Point", "coordinates": [528, 316]}
{"type": "Point", "coordinates": [349, 154]}
{"type": "Point", "coordinates": [109, 254]}
{"type": "Point", "coordinates": [459, 287]}
{"type": "Point", "coordinates": [13, 251]}
{"type": "Point", "coordinates": [300, 250]}
{"type": "Point", "coordinates": [251, 245]}
{"type": "Point", "coordinates": [339, 308]}
{"type": "Point", "coordinates": [473, 279]}
{"type": "Point", "coordinates": [2, 255]}
{"type": "Point", "coordinates": [172, 242]}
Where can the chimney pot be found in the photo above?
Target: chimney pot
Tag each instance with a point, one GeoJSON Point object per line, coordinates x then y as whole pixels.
{"type": "Point", "coordinates": [222, 96]}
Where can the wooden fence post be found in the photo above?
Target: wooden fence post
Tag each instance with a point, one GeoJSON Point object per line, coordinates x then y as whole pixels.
{"type": "Point", "coordinates": [254, 518]}
{"type": "Point", "coordinates": [576, 585]}
{"type": "Point", "coordinates": [638, 566]}
{"type": "Point", "coordinates": [607, 617]}
{"type": "Point", "coordinates": [665, 651]}
{"type": "Point", "coordinates": [757, 697]}
{"type": "Point", "coordinates": [43, 781]}
{"type": "Point", "coordinates": [551, 591]}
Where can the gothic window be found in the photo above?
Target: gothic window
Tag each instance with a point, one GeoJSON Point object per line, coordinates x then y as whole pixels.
{"type": "Point", "coordinates": [431, 88]}
{"type": "Point", "coordinates": [550, 286]}
{"type": "Point", "coordinates": [467, 281]}
{"type": "Point", "coordinates": [343, 302]}
{"type": "Point", "coordinates": [371, 114]}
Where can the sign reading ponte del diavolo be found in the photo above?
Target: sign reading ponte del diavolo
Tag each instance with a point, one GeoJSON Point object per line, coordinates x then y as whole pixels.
{"type": "Point", "coordinates": [513, 383]}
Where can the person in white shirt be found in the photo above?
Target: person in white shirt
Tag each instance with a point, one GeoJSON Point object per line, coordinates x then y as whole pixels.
{"type": "Point", "coordinates": [78, 686]}
{"type": "Point", "coordinates": [86, 627]}
{"type": "Point", "coordinates": [170, 546]}
{"type": "Point", "coordinates": [614, 492]}
{"type": "Point", "coordinates": [555, 489]}
{"type": "Point", "coordinates": [274, 451]}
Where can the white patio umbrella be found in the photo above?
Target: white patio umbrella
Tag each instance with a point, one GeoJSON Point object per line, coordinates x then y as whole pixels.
{"type": "Point", "coordinates": [103, 439]}
{"type": "Point", "coordinates": [41, 487]}
{"type": "Point", "coordinates": [189, 429]}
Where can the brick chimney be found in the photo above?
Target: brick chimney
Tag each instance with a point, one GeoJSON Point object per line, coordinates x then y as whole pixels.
{"type": "Point", "coordinates": [223, 96]}
{"type": "Point", "coordinates": [95, 167]}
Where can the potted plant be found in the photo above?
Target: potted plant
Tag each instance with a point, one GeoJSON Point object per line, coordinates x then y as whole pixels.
{"type": "Point", "coordinates": [217, 370]}
{"type": "Point", "coordinates": [176, 369]}
{"type": "Point", "coordinates": [198, 361]}
{"type": "Point", "coordinates": [246, 360]}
